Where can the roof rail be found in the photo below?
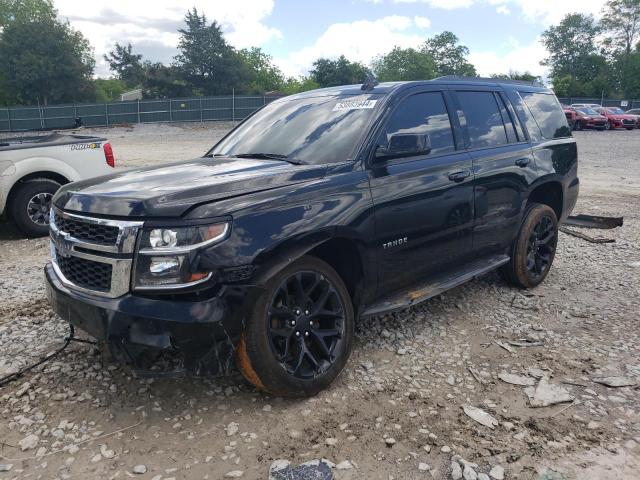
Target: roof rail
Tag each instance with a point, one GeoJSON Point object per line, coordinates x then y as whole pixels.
{"type": "Point", "coordinates": [460, 78]}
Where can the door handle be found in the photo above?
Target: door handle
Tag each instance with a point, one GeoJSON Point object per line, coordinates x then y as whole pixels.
{"type": "Point", "coordinates": [459, 176]}
{"type": "Point", "coordinates": [523, 162]}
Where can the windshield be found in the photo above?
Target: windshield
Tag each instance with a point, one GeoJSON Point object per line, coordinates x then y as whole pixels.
{"type": "Point", "coordinates": [315, 130]}
{"type": "Point", "coordinates": [589, 111]}
{"type": "Point", "coordinates": [616, 111]}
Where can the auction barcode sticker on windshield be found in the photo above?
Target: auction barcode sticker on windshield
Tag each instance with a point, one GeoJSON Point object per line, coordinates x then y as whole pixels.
{"type": "Point", "coordinates": [354, 105]}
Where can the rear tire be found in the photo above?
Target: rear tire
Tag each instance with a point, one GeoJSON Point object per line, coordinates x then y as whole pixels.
{"type": "Point", "coordinates": [534, 249]}
{"type": "Point", "coordinates": [300, 334]}
{"type": "Point", "coordinates": [30, 205]}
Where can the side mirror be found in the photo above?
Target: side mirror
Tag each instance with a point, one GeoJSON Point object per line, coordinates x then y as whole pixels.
{"type": "Point", "coordinates": [405, 145]}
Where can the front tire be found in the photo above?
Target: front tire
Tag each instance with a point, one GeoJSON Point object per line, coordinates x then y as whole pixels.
{"type": "Point", "coordinates": [300, 334]}
{"type": "Point", "coordinates": [534, 249]}
{"type": "Point", "coordinates": [30, 205]}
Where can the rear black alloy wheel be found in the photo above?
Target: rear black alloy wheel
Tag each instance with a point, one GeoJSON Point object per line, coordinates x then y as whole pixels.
{"type": "Point", "coordinates": [300, 330]}
{"type": "Point", "coordinates": [532, 252]}
{"type": "Point", "coordinates": [306, 323]}
{"type": "Point", "coordinates": [541, 247]}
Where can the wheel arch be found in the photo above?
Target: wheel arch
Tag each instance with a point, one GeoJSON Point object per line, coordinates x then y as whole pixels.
{"type": "Point", "coordinates": [344, 254]}
{"type": "Point", "coordinates": [39, 175]}
{"type": "Point", "coordinates": [550, 193]}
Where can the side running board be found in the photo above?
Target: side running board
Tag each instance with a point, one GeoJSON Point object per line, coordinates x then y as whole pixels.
{"type": "Point", "coordinates": [436, 286]}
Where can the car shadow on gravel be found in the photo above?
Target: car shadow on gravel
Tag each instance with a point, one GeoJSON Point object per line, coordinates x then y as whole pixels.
{"type": "Point", "coordinates": [9, 232]}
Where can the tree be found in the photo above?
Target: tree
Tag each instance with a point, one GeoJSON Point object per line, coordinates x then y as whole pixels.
{"type": "Point", "coordinates": [45, 61]}
{"type": "Point", "coordinates": [109, 89]}
{"type": "Point", "coordinates": [569, 44]}
{"type": "Point", "coordinates": [450, 57]}
{"type": "Point", "coordinates": [514, 75]}
{"type": "Point", "coordinates": [295, 85]}
{"type": "Point", "coordinates": [209, 63]}
{"type": "Point", "coordinates": [404, 64]}
{"type": "Point", "coordinates": [264, 75]}
{"type": "Point", "coordinates": [25, 11]}
{"type": "Point", "coordinates": [162, 81]}
{"type": "Point", "coordinates": [331, 73]}
{"type": "Point", "coordinates": [621, 21]}
{"type": "Point", "coordinates": [126, 64]}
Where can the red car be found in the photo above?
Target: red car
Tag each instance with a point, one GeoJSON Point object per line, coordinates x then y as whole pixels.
{"type": "Point", "coordinates": [587, 117]}
{"type": "Point", "coordinates": [617, 118]}
{"type": "Point", "coordinates": [571, 115]}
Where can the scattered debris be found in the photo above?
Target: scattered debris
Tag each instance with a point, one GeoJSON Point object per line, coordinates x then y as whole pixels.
{"type": "Point", "coordinates": [516, 379]}
{"type": "Point", "coordinates": [505, 346]}
{"type": "Point", "coordinates": [615, 382]}
{"type": "Point", "coordinates": [234, 474]}
{"type": "Point", "coordinates": [312, 470]}
{"type": "Point", "coordinates": [525, 342]}
{"type": "Point", "coordinates": [480, 416]}
{"type": "Point", "coordinates": [546, 394]}
{"type": "Point", "coordinates": [593, 221]}
{"type": "Point", "coordinates": [140, 469]}
{"type": "Point", "coordinates": [476, 374]}
{"type": "Point", "coordinates": [568, 231]}
{"type": "Point", "coordinates": [497, 473]}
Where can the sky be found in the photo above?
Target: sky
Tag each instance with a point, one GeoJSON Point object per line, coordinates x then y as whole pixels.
{"type": "Point", "coordinates": [502, 35]}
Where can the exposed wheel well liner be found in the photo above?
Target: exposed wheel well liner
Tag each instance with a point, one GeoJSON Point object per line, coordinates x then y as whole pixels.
{"type": "Point", "coordinates": [549, 193]}
{"type": "Point", "coordinates": [343, 256]}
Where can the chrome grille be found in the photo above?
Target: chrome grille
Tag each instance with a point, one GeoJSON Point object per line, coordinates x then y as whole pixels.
{"type": "Point", "coordinates": [86, 273]}
{"type": "Point", "coordinates": [94, 233]}
{"type": "Point", "coordinates": [93, 255]}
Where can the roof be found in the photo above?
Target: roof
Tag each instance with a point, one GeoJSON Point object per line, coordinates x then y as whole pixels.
{"type": "Point", "coordinates": [388, 87]}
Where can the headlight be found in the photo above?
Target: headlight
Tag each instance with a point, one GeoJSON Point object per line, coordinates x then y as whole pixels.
{"type": "Point", "coordinates": [165, 255]}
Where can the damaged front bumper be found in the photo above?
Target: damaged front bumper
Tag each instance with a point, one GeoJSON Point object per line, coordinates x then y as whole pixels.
{"type": "Point", "coordinates": [197, 337]}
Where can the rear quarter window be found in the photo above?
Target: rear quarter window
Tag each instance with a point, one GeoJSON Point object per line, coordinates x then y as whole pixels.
{"type": "Point", "coordinates": [547, 114]}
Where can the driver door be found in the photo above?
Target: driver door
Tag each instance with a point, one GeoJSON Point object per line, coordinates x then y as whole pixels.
{"type": "Point", "coordinates": [423, 203]}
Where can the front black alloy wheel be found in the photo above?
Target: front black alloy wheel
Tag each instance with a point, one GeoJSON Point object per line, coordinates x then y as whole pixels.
{"type": "Point", "coordinates": [300, 334]}
{"type": "Point", "coordinates": [306, 321]}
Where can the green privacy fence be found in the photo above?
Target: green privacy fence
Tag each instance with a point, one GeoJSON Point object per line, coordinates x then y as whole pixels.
{"type": "Point", "coordinates": [198, 109]}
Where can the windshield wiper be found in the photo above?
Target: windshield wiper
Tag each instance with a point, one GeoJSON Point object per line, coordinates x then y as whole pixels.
{"type": "Point", "coordinates": [270, 156]}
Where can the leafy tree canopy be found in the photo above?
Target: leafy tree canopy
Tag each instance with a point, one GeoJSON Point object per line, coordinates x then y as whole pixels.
{"type": "Point", "coordinates": [25, 11]}
{"type": "Point", "coordinates": [330, 73]}
{"type": "Point", "coordinates": [45, 61]}
{"type": "Point", "coordinates": [404, 64]}
{"type": "Point", "coordinates": [208, 62]}
{"type": "Point", "coordinates": [449, 55]}
{"type": "Point", "coordinates": [126, 64]}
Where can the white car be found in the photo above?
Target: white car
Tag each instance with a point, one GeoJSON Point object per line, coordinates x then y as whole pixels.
{"type": "Point", "coordinates": [33, 168]}
{"type": "Point", "coordinates": [586, 105]}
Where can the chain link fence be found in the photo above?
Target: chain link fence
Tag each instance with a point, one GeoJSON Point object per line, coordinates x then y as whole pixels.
{"type": "Point", "coordinates": [198, 109]}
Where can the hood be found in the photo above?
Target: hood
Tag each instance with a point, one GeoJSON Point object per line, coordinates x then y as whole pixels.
{"type": "Point", "coordinates": [170, 190]}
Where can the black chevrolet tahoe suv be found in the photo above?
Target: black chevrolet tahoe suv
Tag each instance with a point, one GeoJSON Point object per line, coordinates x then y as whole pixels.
{"type": "Point", "coordinates": [318, 209]}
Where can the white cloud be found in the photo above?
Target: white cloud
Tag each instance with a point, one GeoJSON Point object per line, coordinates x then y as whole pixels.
{"type": "Point", "coordinates": [361, 41]}
{"type": "Point", "coordinates": [151, 25]}
{"type": "Point", "coordinates": [541, 11]}
{"type": "Point", "coordinates": [520, 59]}
{"type": "Point", "coordinates": [444, 4]}
{"type": "Point", "coordinates": [422, 22]}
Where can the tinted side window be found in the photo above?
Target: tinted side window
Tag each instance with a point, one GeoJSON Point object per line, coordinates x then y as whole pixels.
{"type": "Point", "coordinates": [422, 113]}
{"type": "Point", "coordinates": [483, 119]}
{"type": "Point", "coordinates": [548, 114]}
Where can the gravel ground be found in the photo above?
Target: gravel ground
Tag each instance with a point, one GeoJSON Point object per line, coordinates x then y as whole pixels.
{"type": "Point", "coordinates": [398, 410]}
